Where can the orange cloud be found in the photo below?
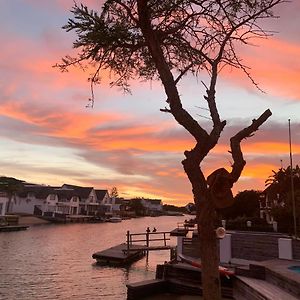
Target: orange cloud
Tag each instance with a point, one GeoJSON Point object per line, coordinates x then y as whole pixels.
{"type": "Point", "coordinates": [254, 176]}
{"type": "Point", "coordinates": [67, 124]}
{"type": "Point", "coordinates": [253, 147]}
{"type": "Point", "coordinates": [261, 171]}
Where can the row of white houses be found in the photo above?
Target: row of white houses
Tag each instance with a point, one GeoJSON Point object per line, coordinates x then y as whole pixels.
{"type": "Point", "coordinates": [65, 200]}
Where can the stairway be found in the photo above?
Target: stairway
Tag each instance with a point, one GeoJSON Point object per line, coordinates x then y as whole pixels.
{"type": "Point", "coordinates": [255, 283]}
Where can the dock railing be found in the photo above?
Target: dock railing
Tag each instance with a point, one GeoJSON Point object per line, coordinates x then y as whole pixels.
{"type": "Point", "coordinates": [147, 238]}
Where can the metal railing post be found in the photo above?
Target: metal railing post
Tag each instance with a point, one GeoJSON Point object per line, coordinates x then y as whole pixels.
{"type": "Point", "coordinates": [128, 240]}
{"type": "Point", "coordinates": [147, 239]}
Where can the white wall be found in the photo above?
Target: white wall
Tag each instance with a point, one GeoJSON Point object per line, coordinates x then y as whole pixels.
{"type": "Point", "coordinates": [25, 205]}
{"type": "Point", "coordinates": [3, 204]}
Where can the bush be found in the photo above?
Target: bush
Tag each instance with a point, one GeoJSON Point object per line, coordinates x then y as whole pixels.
{"type": "Point", "coordinates": [240, 223]}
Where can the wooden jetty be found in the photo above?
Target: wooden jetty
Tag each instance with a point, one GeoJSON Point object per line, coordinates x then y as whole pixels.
{"type": "Point", "coordinates": [136, 246]}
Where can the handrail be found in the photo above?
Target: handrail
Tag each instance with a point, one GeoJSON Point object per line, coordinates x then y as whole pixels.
{"type": "Point", "coordinates": [148, 239]}
{"type": "Point", "coordinates": [157, 232]}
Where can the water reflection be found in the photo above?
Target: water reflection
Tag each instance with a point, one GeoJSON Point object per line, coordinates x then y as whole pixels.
{"type": "Point", "coordinates": [54, 261]}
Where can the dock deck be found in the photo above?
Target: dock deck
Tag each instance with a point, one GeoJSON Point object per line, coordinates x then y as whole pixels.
{"type": "Point", "coordinates": [119, 254]}
{"type": "Point", "coordinates": [137, 245]}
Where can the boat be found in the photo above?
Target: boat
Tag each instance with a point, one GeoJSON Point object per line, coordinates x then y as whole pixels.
{"type": "Point", "coordinates": [114, 220]}
{"type": "Point", "coordinates": [189, 260]}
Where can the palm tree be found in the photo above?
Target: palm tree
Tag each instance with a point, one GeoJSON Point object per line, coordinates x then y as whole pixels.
{"type": "Point", "coordinates": [10, 186]}
{"type": "Point", "coordinates": [279, 189]}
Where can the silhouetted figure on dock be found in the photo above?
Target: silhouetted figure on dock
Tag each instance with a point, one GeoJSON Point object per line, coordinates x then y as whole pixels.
{"type": "Point", "coordinates": [154, 229]}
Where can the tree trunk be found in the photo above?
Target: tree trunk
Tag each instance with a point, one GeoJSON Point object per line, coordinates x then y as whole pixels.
{"type": "Point", "coordinates": [208, 250]}
{"type": "Point", "coordinates": [206, 217]}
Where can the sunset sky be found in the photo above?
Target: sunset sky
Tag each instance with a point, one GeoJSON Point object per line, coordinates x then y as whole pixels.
{"type": "Point", "coordinates": [48, 136]}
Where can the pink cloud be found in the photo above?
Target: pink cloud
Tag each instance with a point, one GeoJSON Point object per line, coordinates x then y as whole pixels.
{"type": "Point", "coordinates": [275, 66]}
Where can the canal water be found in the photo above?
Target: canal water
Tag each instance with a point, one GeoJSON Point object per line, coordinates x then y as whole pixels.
{"type": "Point", "coordinates": [55, 261]}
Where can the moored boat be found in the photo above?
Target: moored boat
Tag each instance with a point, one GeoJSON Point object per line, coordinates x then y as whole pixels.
{"type": "Point", "coordinates": [114, 220]}
{"type": "Point", "coordinates": [189, 260]}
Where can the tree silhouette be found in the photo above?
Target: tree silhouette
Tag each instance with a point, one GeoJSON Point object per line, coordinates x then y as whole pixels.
{"type": "Point", "coordinates": [246, 204]}
{"type": "Point", "coordinates": [10, 186]}
{"type": "Point", "coordinates": [114, 192]}
{"type": "Point", "coordinates": [279, 190]}
{"type": "Point", "coordinates": [137, 206]}
{"type": "Point", "coordinates": [165, 40]}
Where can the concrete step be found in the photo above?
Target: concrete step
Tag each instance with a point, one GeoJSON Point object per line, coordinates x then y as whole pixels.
{"type": "Point", "coordinates": [284, 281]}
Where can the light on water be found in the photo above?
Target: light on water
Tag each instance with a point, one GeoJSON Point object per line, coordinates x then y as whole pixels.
{"type": "Point", "coordinates": [54, 261]}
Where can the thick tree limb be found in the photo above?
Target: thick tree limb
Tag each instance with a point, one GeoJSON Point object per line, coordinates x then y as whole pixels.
{"type": "Point", "coordinates": [179, 113]}
{"type": "Point", "coordinates": [235, 144]}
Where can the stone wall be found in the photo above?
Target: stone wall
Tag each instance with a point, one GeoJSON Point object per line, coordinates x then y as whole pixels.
{"type": "Point", "coordinates": [260, 246]}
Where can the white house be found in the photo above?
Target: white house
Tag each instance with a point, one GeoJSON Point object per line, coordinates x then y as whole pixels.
{"type": "Point", "coordinates": [112, 205]}
{"type": "Point", "coordinates": [103, 196]}
{"type": "Point", "coordinates": [63, 202]}
{"type": "Point", "coordinates": [88, 202]}
{"type": "Point", "coordinates": [152, 205]}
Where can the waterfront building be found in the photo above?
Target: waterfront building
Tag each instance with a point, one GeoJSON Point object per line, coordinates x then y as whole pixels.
{"type": "Point", "coordinates": [54, 201]}
{"type": "Point", "coordinates": [112, 204]}
{"type": "Point", "coordinates": [88, 204]}
{"type": "Point", "coordinates": [102, 196]}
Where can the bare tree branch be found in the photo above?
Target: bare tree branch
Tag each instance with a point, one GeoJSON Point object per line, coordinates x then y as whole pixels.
{"type": "Point", "coordinates": [235, 142]}
{"type": "Point", "coordinates": [179, 113]}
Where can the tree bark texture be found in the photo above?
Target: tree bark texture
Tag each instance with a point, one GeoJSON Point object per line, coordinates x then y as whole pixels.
{"type": "Point", "coordinates": [206, 216]}
{"type": "Point", "coordinates": [208, 251]}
